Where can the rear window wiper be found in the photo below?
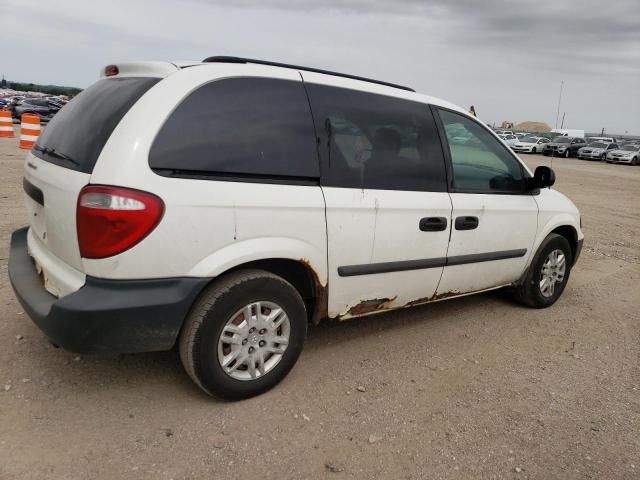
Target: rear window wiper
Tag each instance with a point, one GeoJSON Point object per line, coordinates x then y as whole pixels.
{"type": "Point", "coordinates": [51, 152]}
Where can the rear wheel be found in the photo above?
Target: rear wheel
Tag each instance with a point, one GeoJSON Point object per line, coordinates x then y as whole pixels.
{"type": "Point", "coordinates": [244, 334]}
{"type": "Point", "coordinates": [548, 273]}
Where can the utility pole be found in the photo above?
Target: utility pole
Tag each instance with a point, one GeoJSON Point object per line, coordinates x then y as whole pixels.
{"type": "Point", "coordinates": [559, 99]}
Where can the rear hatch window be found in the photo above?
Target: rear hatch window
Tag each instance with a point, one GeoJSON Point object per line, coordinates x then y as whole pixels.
{"type": "Point", "coordinates": [75, 137]}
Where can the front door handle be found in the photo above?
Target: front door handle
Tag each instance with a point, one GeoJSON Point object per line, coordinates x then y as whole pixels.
{"type": "Point", "coordinates": [466, 223]}
{"type": "Point", "coordinates": [433, 224]}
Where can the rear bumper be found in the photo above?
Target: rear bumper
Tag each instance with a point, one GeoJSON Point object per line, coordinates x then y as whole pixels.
{"type": "Point", "coordinates": [114, 316]}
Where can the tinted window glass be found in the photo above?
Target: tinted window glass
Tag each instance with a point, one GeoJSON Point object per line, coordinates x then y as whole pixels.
{"type": "Point", "coordinates": [254, 126]}
{"type": "Point", "coordinates": [83, 126]}
{"type": "Point", "coordinates": [376, 141]}
{"type": "Point", "coordinates": [480, 162]}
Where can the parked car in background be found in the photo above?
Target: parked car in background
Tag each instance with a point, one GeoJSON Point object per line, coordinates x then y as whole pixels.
{"type": "Point", "coordinates": [509, 139]}
{"type": "Point", "coordinates": [627, 154]}
{"type": "Point", "coordinates": [37, 106]}
{"type": "Point", "coordinates": [530, 144]}
{"type": "Point", "coordinates": [602, 139]}
{"type": "Point", "coordinates": [564, 146]}
{"type": "Point", "coordinates": [596, 150]}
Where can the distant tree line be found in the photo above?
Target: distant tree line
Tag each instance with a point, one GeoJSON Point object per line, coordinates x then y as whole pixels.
{"type": "Point", "coordinates": [48, 89]}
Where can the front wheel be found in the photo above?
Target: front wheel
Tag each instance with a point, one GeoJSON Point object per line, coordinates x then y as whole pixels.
{"type": "Point", "coordinates": [548, 273]}
{"type": "Point", "coordinates": [634, 161]}
{"type": "Point", "coordinates": [566, 154]}
{"type": "Point", "coordinates": [533, 150]}
{"type": "Point", "coordinates": [244, 334]}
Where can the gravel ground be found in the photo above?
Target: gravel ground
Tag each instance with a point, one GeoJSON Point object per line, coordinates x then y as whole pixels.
{"type": "Point", "coordinates": [478, 387]}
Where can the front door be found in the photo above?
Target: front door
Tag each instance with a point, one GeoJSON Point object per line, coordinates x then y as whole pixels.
{"type": "Point", "coordinates": [387, 209]}
{"type": "Point", "coordinates": [494, 218]}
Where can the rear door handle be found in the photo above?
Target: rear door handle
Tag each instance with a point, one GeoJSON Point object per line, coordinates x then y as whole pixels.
{"type": "Point", "coordinates": [433, 224]}
{"type": "Point", "coordinates": [466, 223]}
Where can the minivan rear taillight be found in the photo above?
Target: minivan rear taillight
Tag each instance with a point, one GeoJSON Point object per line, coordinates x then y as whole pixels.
{"type": "Point", "coordinates": [111, 220]}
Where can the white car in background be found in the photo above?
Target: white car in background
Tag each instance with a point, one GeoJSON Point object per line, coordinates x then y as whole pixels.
{"type": "Point", "coordinates": [602, 139]}
{"type": "Point", "coordinates": [627, 154]}
{"type": "Point", "coordinates": [530, 144]}
{"type": "Point", "coordinates": [509, 139]}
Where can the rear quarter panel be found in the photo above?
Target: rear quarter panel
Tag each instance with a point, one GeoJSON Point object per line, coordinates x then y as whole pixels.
{"type": "Point", "coordinates": [208, 226]}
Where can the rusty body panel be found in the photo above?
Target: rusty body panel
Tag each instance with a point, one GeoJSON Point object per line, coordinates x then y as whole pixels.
{"type": "Point", "coordinates": [369, 306]}
{"type": "Point", "coordinates": [378, 305]}
{"type": "Point", "coordinates": [321, 295]}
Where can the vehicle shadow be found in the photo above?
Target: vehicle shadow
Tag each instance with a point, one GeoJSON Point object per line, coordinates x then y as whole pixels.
{"type": "Point", "coordinates": [84, 375]}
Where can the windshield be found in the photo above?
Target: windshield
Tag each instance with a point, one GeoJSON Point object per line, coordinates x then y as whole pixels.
{"type": "Point", "coordinates": [598, 145]}
{"type": "Point", "coordinates": [75, 137]}
{"type": "Point", "coordinates": [529, 139]}
{"type": "Point", "coordinates": [562, 140]}
{"type": "Point", "coordinates": [631, 148]}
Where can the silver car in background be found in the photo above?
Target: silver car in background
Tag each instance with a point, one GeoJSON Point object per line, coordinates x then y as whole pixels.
{"type": "Point", "coordinates": [596, 150]}
{"type": "Point", "coordinates": [626, 154]}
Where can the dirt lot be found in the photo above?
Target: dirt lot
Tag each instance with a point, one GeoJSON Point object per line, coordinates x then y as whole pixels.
{"type": "Point", "coordinates": [472, 388]}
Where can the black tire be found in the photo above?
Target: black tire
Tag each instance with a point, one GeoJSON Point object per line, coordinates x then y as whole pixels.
{"type": "Point", "coordinates": [528, 292]}
{"type": "Point", "coordinates": [567, 154]}
{"type": "Point", "coordinates": [634, 161]}
{"type": "Point", "coordinates": [203, 327]}
{"type": "Point", "coordinates": [533, 150]}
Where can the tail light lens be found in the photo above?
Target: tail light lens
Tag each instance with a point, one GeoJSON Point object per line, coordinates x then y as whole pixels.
{"type": "Point", "coordinates": [111, 220]}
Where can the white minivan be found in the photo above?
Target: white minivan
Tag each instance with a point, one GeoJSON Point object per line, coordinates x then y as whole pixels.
{"type": "Point", "coordinates": [221, 206]}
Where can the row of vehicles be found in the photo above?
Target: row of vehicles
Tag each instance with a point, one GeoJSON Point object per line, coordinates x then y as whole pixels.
{"type": "Point", "coordinates": [593, 148]}
{"type": "Point", "coordinates": [44, 107]}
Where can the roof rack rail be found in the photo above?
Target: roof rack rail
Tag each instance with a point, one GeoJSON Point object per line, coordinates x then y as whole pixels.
{"type": "Point", "coordinates": [225, 59]}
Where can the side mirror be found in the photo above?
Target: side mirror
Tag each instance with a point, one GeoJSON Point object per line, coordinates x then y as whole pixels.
{"type": "Point", "coordinates": [543, 177]}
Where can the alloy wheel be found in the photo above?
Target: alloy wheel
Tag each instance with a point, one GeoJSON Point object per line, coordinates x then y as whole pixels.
{"type": "Point", "coordinates": [553, 272]}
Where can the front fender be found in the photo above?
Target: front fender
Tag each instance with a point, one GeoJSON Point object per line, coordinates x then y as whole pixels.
{"type": "Point", "coordinates": [554, 210]}
{"type": "Point", "coordinates": [262, 248]}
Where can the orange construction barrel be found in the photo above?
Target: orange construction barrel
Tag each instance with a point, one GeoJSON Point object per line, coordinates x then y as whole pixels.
{"type": "Point", "coordinates": [6, 124]}
{"type": "Point", "coordinates": [29, 130]}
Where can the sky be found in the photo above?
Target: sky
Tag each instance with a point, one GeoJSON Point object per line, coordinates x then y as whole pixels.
{"type": "Point", "coordinates": [507, 58]}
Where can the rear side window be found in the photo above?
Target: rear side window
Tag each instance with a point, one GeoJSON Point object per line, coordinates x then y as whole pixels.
{"type": "Point", "coordinates": [375, 141]}
{"type": "Point", "coordinates": [75, 137]}
{"type": "Point", "coordinates": [240, 127]}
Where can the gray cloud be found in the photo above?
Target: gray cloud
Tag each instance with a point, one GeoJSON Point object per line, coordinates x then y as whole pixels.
{"type": "Point", "coordinates": [507, 58]}
{"type": "Point", "coordinates": [589, 31]}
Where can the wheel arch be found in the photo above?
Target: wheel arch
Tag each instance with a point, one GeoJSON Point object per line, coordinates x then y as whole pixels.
{"type": "Point", "coordinates": [302, 276]}
{"type": "Point", "coordinates": [571, 235]}
{"type": "Point", "coordinates": [298, 272]}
